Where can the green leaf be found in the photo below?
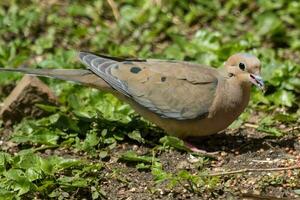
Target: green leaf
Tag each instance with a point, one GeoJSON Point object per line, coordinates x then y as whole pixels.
{"type": "Point", "coordinates": [6, 195]}
{"type": "Point", "coordinates": [26, 161]}
{"type": "Point", "coordinates": [18, 180]}
{"type": "Point", "coordinates": [39, 136]}
{"type": "Point", "coordinates": [90, 141]}
{"type": "Point", "coordinates": [5, 160]}
{"type": "Point", "coordinates": [131, 156]}
{"type": "Point", "coordinates": [72, 181]}
{"type": "Point", "coordinates": [68, 163]}
{"type": "Point", "coordinates": [283, 97]}
{"type": "Point", "coordinates": [136, 135]}
{"type": "Point", "coordinates": [170, 141]}
{"type": "Point", "coordinates": [271, 130]}
{"type": "Point", "coordinates": [143, 166]}
{"type": "Point", "coordinates": [48, 108]}
{"type": "Point", "coordinates": [159, 174]}
{"type": "Point", "coordinates": [47, 166]}
{"type": "Point", "coordinates": [268, 23]}
{"type": "Point", "coordinates": [286, 118]}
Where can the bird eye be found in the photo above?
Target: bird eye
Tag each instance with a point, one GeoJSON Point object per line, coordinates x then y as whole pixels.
{"type": "Point", "coordinates": [242, 66]}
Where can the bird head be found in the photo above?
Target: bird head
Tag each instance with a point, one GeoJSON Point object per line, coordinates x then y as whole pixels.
{"type": "Point", "coordinates": [246, 68]}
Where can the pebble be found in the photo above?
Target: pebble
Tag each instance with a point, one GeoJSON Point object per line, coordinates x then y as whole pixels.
{"type": "Point", "coordinates": [287, 149]}
{"type": "Point", "coordinates": [121, 192]}
{"type": "Point", "coordinates": [223, 153]}
{"type": "Point", "coordinates": [65, 194]}
{"type": "Point", "coordinates": [161, 192]}
{"type": "Point", "coordinates": [261, 150]}
{"type": "Point", "coordinates": [132, 189]}
{"type": "Point", "coordinates": [193, 159]}
{"type": "Point", "coordinates": [134, 147]}
{"type": "Point", "coordinates": [256, 192]}
{"type": "Point", "coordinates": [282, 126]}
{"type": "Point", "coordinates": [183, 165]}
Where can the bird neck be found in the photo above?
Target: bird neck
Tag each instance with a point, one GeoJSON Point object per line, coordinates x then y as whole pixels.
{"type": "Point", "coordinates": [238, 94]}
{"type": "Point", "coordinates": [232, 98]}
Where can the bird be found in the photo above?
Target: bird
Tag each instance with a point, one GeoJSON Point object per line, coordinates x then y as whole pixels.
{"type": "Point", "coordinates": [183, 98]}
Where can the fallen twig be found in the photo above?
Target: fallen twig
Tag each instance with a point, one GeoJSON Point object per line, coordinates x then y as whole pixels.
{"type": "Point", "coordinates": [266, 161]}
{"type": "Point", "coordinates": [114, 8]}
{"type": "Point", "coordinates": [252, 170]}
{"type": "Point", "coordinates": [292, 129]}
{"type": "Point", "coordinates": [262, 197]}
{"type": "Point", "coordinates": [251, 125]}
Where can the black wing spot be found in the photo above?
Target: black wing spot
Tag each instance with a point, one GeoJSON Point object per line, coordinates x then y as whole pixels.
{"type": "Point", "coordinates": [135, 70]}
{"type": "Point", "coordinates": [163, 79]}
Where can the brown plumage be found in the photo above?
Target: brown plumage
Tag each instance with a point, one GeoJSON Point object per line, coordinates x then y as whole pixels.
{"type": "Point", "coordinates": [183, 98]}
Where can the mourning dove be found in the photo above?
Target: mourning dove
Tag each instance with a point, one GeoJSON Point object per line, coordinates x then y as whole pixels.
{"type": "Point", "coordinates": [183, 98]}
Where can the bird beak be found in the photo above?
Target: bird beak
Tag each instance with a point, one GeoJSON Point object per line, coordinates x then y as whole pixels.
{"type": "Point", "coordinates": [258, 81]}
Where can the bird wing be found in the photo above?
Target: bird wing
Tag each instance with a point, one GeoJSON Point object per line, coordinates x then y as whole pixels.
{"type": "Point", "coordinates": [171, 89]}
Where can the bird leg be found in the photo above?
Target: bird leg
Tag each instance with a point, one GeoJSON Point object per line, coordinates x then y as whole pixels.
{"type": "Point", "coordinates": [194, 149]}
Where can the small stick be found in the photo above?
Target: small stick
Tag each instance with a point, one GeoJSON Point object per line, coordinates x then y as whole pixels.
{"type": "Point", "coordinates": [266, 161]}
{"type": "Point", "coordinates": [114, 8]}
{"type": "Point", "coordinates": [260, 197]}
{"type": "Point", "coordinates": [252, 170]}
{"type": "Point", "coordinates": [250, 125]}
{"type": "Point", "coordinates": [292, 129]}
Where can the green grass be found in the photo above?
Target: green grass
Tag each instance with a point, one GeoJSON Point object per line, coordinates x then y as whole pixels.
{"type": "Point", "coordinates": [91, 123]}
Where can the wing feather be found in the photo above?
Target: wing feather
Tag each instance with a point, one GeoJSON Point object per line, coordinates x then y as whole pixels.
{"type": "Point", "coordinates": [178, 90]}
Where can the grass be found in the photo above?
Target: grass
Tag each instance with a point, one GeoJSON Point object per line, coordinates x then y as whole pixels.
{"type": "Point", "coordinates": [67, 154]}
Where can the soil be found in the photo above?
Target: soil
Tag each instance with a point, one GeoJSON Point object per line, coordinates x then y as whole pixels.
{"type": "Point", "coordinates": [235, 150]}
{"type": "Point", "coordinates": [240, 150]}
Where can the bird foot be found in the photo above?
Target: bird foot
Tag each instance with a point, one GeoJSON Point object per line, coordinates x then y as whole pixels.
{"type": "Point", "coordinates": [200, 151]}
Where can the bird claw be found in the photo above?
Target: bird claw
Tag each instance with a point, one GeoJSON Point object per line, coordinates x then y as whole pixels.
{"type": "Point", "coordinates": [200, 151]}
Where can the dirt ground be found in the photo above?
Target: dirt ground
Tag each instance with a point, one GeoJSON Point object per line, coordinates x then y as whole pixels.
{"type": "Point", "coordinates": [245, 149]}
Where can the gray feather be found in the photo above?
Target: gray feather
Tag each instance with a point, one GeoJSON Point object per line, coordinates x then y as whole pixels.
{"type": "Point", "coordinates": [102, 67]}
{"type": "Point", "coordinates": [63, 74]}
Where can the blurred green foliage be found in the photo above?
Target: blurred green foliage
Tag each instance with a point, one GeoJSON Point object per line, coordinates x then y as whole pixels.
{"type": "Point", "coordinates": [47, 34]}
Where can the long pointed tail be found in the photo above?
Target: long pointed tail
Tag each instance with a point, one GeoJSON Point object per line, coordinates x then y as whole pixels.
{"type": "Point", "coordinates": [82, 76]}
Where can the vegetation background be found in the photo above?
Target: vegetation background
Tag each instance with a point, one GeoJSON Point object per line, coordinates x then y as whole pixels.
{"type": "Point", "coordinates": [90, 145]}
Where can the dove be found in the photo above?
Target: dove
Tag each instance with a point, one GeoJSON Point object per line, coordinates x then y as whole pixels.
{"type": "Point", "coordinates": [183, 98]}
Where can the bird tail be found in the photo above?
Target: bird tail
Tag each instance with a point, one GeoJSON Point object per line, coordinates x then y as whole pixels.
{"type": "Point", "coordinates": [82, 76]}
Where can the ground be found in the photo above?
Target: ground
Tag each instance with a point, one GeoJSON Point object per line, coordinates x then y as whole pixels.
{"type": "Point", "coordinates": [177, 174]}
{"type": "Point", "coordinates": [240, 150]}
